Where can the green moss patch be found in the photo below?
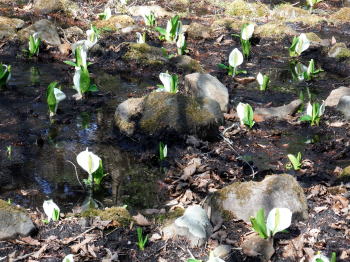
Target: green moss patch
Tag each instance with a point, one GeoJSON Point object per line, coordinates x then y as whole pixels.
{"type": "Point", "coordinates": [243, 8]}
{"type": "Point", "coordinates": [275, 30]}
{"type": "Point", "coordinates": [117, 214]}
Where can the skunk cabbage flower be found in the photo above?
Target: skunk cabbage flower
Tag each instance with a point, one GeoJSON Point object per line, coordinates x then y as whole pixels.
{"type": "Point", "coordinates": [278, 220]}
{"type": "Point", "coordinates": [235, 58]}
{"type": "Point", "coordinates": [260, 79]}
{"type": "Point", "coordinates": [302, 44]}
{"type": "Point", "coordinates": [88, 161]}
{"type": "Point", "coordinates": [81, 55]}
{"type": "Point", "coordinates": [51, 210]}
{"type": "Point", "coordinates": [320, 256]}
{"type": "Point", "coordinates": [247, 31]}
{"type": "Point", "coordinates": [76, 82]}
{"type": "Point", "coordinates": [54, 96]}
{"type": "Point", "coordinates": [166, 80]}
{"type": "Point", "coordinates": [140, 38]}
{"type": "Point", "coordinates": [181, 41]}
{"type": "Point", "coordinates": [240, 111]}
{"type": "Point", "coordinates": [107, 13]}
{"type": "Point", "coordinates": [309, 109]}
{"type": "Point", "coordinates": [300, 69]}
{"type": "Point", "coordinates": [68, 258]}
{"type": "Point", "coordinates": [91, 38]}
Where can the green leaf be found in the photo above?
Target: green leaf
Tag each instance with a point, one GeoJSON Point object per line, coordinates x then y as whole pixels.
{"type": "Point", "coordinates": [93, 88]}
{"type": "Point", "coordinates": [319, 260]}
{"type": "Point", "coordinates": [50, 96]}
{"type": "Point", "coordinates": [70, 63]}
{"type": "Point", "coordinates": [305, 118]}
{"type": "Point", "coordinates": [333, 257]}
{"type": "Point", "coordinates": [84, 80]}
{"type": "Point", "coordinates": [161, 30]}
{"type": "Point", "coordinates": [222, 66]}
{"type": "Point", "coordinates": [296, 161]}
{"type": "Point", "coordinates": [259, 224]}
{"type": "Point", "coordinates": [193, 260]}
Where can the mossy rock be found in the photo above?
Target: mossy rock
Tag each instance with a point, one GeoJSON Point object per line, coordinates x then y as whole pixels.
{"type": "Point", "coordinates": [339, 51]}
{"type": "Point", "coordinates": [144, 55]}
{"type": "Point", "coordinates": [9, 26]}
{"type": "Point", "coordinates": [179, 5]}
{"type": "Point", "coordinates": [274, 30]}
{"type": "Point", "coordinates": [198, 31]}
{"type": "Point", "coordinates": [118, 214]}
{"type": "Point", "coordinates": [244, 8]}
{"type": "Point", "coordinates": [48, 6]}
{"type": "Point", "coordinates": [229, 23]}
{"type": "Point", "coordinates": [115, 22]}
{"type": "Point", "coordinates": [186, 64]}
{"type": "Point", "coordinates": [243, 199]}
{"type": "Point", "coordinates": [167, 114]}
{"type": "Point", "coordinates": [341, 16]}
{"type": "Point", "coordinates": [344, 176]}
{"type": "Point", "coordinates": [290, 13]}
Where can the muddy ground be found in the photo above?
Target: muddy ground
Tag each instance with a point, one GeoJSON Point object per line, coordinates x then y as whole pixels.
{"type": "Point", "coordinates": [254, 153]}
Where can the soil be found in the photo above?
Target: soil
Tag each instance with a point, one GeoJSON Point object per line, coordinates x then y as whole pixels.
{"type": "Point", "coordinates": [146, 183]}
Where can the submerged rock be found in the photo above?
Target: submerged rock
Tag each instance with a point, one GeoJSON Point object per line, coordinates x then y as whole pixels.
{"type": "Point", "coordinates": [243, 200]}
{"type": "Point", "coordinates": [255, 246]}
{"type": "Point", "coordinates": [166, 114]}
{"type": "Point", "coordinates": [280, 112]}
{"type": "Point", "coordinates": [47, 32]}
{"type": "Point", "coordinates": [144, 56]}
{"type": "Point", "coordinates": [140, 10]}
{"type": "Point", "coordinates": [336, 94]}
{"type": "Point", "coordinates": [14, 222]}
{"type": "Point", "coordinates": [9, 26]}
{"type": "Point", "coordinates": [344, 106]}
{"type": "Point", "coordinates": [116, 22]}
{"type": "Point", "coordinates": [194, 225]}
{"type": "Point", "coordinates": [206, 85]}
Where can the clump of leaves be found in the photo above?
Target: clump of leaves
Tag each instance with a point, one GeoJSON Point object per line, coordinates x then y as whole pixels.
{"type": "Point", "coordinates": [150, 19]}
{"type": "Point", "coordinates": [313, 113]}
{"type": "Point", "coordinates": [295, 161]}
{"type": "Point", "coordinates": [172, 30]}
{"type": "Point", "coordinates": [141, 240]}
{"type": "Point", "coordinates": [33, 45]}
{"type": "Point", "coordinates": [278, 220]}
{"type": "Point", "coordinates": [299, 45]}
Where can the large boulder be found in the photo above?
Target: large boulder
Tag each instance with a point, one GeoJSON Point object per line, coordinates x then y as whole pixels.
{"type": "Point", "coordinates": [206, 85]}
{"type": "Point", "coordinates": [336, 94]}
{"type": "Point", "coordinates": [194, 225]}
{"type": "Point", "coordinates": [243, 200]}
{"type": "Point", "coordinates": [47, 32]}
{"type": "Point", "coordinates": [9, 26]}
{"type": "Point", "coordinates": [13, 222]}
{"type": "Point", "coordinates": [166, 114]}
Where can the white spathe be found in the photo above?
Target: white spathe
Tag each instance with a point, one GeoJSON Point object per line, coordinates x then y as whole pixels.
{"type": "Point", "coordinates": [140, 39]}
{"type": "Point", "coordinates": [76, 82]}
{"type": "Point", "coordinates": [300, 69]}
{"type": "Point", "coordinates": [213, 258]}
{"type": "Point", "coordinates": [235, 58]}
{"type": "Point", "coordinates": [320, 256]}
{"type": "Point", "coordinates": [49, 207]}
{"type": "Point", "coordinates": [108, 13]}
{"type": "Point", "coordinates": [91, 38]}
{"type": "Point", "coordinates": [260, 79]}
{"type": "Point", "coordinates": [68, 258]}
{"type": "Point", "coordinates": [88, 161]}
{"type": "Point", "coordinates": [322, 108]}
{"type": "Point", "coordinates": [302, 44]}
{"type": "Point", "coordinates": [60, 96]}
{"type": "Point", "coordinates": [247, 32]}
{"type": "Point", "coordinates": [9, 75]}
{"type": "Point", "coordinates": [166, 80]}
{"type": "Point", "coordinates": [36, 37]}
{"type": "Point", "coordinates": [278, 220]}
{"type": "Point", "coordinates": [181, 40]}
{"type": "Point", "coordinates": [240, 111]}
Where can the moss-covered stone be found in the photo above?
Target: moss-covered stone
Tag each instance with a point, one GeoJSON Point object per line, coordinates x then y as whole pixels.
{"type": "Point", "coordinates": [313, 38]}
{"type": "Point", "coordinates": [179, 5]}
{"type": "Point", "coordinates": [48, 6]}
{"type": "Point", "coordinates": [345, 175]}
{"type": "Point", "coordinates": [339, 51]}
{"type": "Point", "coordinates": [166, 113]}
{"type": "Point", "coordinates": [197, 31]}
{"type": "Point", "coordinates": [276, 30]}
{"type": "Point", "coordinates": [244, 8]}
{"type": "Point", "coordinates": [115, 22]}
{"type": "Point", "coordinates": [243, 200]}
{"type": "Point", "coordinates": [229, 23]}
{"type": "Point", "coordinates": [8, 207]}
{"type": "Point", "coordinates": [341, 16]}
{"type": "Point", "coordinates": [186, 64]}
{"type": "Point", "coordinates": [118, 214]}
{"type": "Point", "coordinates": [9, 26]}
{"type": "Point", "coordinates": [144, 55]}
{"type": "Point", "coordinates": [170, 216]}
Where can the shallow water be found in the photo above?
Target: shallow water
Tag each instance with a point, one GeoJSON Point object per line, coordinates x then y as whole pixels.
{"type": "Point", "coordinates": [42, 151]}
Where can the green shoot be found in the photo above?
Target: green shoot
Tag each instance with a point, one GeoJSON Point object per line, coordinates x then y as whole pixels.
{"type": "Point", "coordinates": [33, 45]}
{"type": "Point", "coordinates": [163, 151]}
{"type": "Point", "coordinates": [258, 223]}
{"type": "Point", "coordinates": [181, 44]}
{"type": "Point", "coordinates": [313, 113]}
{"type": "Point", "coordinates": [172, 30]}
{"type": "Point", "coordinates": [150, 20]}
{"type": "Point", "coordinates": [141, 241]}
{"type": "Point", "coordinates": [311, 72]}
{"type": "Point", "coordinates": [9, 151]}
{"type": "Point", "coordinates": [5, 74]}
{"type": "Point", "coordinates": [80, 54]}
{"type": "Point", "coordinates": [295, 161]}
